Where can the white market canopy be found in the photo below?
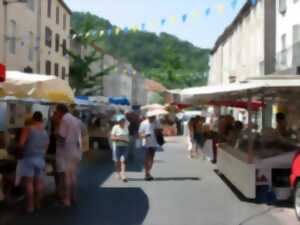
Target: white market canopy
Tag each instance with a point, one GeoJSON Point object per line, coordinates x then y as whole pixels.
{"type": "Point", "coordinates": [287, 86]}
{"type": "Point", "coordinates": [20, 85]}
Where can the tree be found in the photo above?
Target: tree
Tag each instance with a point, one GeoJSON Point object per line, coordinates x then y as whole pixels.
{"type": "Point", "coordinates": [81, 78]}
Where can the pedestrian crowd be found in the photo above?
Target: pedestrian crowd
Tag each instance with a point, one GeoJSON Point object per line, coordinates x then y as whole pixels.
{"type": "Point", "coordinates": [61, 146]}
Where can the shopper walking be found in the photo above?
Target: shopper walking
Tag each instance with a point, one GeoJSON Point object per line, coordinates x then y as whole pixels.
{"type": "Point", "coordinates": [147, 132]}
{"type": "Point", "coordinates": [190, 138]}
{"type": "Point", "coordinates": [34, 141]}
{"type": "Point", "coordinates": [120, 140]}
{"type": "Point", "coordinates": [68, 154]}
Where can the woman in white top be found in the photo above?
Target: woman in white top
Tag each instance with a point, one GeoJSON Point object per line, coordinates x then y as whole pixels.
{"type": "Point", "coordinates": [120, 140]}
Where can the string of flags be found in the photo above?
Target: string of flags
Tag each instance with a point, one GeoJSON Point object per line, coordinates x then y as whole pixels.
{"type": "Point", "coordinates": [26, 41]}
{"type": "Point", "coordinates": [219, 8]}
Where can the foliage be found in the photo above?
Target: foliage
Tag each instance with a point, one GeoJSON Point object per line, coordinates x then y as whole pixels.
{"type": "Point", "coordinates": [82, 80]}
{"type": "Point", "coordinates": [164, 58]}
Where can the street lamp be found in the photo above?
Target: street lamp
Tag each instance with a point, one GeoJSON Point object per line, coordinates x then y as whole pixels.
{"type": "Point", "coordinates": [5, 4]}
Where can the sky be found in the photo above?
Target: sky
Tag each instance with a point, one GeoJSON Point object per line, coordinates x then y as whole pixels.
{"type": "Point", "coordinates": [201, 30]}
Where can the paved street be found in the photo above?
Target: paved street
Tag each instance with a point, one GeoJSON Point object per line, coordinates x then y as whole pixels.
{"type": "Point", "coordinates": [185, 192]}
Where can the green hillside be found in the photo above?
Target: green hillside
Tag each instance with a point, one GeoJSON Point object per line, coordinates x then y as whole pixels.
{"type": "Point", "coordinates": [164, 57]}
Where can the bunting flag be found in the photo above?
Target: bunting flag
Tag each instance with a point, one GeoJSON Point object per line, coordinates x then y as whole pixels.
{"type": "Point", "coordinates": [220, 8]}
{"type": "Point", "coordinates": [117, 31]}
{"type": "Point", "coordinates": [163, 22]}
{"type": "Point", "coordinates": [184, 18]}
{"type": "Point", "coordinates": [173, 19]}
{"type": "Point", "coordinates": [234, 4]}
{"type": "Point", "coordinates": [101, 33]}
{"type": "Point", "coordinates": [207, 11]}
{"type": "Point", "coordinates": [196, 14]}
{"type": "Point", "coordinates": [253, 2]}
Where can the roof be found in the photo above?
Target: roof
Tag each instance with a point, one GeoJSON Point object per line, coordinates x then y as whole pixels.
{"type": "Point", "coordinates": [272, 86]}
{"type": "Point", "coordinates": [62, 2]}
{"type": "Point", "coordinates": [154, 86]}
{"type": "Point", "coordinates": [229, 30]}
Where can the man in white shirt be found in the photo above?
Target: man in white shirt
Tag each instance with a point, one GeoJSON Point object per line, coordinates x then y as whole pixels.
{"type": "Point", "coordinates": [68, 153]}
{"type": "Point", "coordinates": [149, 142]}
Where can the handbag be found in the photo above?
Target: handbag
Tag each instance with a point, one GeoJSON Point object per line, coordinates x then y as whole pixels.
{"type": "Point", "coordinates": [159, 137]}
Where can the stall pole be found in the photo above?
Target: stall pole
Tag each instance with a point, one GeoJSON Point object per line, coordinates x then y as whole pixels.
{"type": "Point", "coordinates": [250, 135]}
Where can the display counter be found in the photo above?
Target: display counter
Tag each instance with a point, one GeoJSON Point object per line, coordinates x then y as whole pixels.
{"type": "Point", "coordinates": [270, 167]}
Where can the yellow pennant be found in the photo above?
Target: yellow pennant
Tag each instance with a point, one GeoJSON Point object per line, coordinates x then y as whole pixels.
{"type": "Point", "coordinates": [174, 19]}
{"type": "Point", "coordinates": [117, 31]}
{"type": "Point", "coordinates": [196, 13]}
{"type": "Point", "coordinates": [220, 8]}
{"type": "Point", "coordinates": [101, 33]}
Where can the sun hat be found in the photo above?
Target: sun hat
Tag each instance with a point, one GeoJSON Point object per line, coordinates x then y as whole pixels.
{"type": "Point", "coordinates": [120, 117]}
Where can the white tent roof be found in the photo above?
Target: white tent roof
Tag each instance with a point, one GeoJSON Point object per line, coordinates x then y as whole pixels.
{"type": "Point", "coordinates": [35, 86]}
{"type": "Point", "coordinates": [273, 86]}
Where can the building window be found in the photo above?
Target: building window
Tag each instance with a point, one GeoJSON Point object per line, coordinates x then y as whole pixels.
{"type": "Point", "coordinates": [65, 22]}
{"type": "Point", "coordinates": [282, 6]}
{"type": "Point", "coordinates": [48, 67]}
{"type": "Point", "coordinates": [57, 15]}
{"type": "Point", "coordinates": [63, 73]}
{"type": "Point", "coordinates": [57, 42]}
{"type": "Point", "coordinates": [30, 4]}
{"type": "Point", "coordinates": [56, 69]}
{"type": "Point", "coordinates": [48, 40]}
{"type": "Point", "coordinates": [12, 39]}
{"type": "Point", "coordinates": [284, 50]}
{"type": "Point", "coordinates": [296, 34]}
{"type": "Point", "coordinates": [31, 47]}
{"type": "Point", "coordinates": [64, 47]}
{"type": "Point", "coordinates": [49, 9]}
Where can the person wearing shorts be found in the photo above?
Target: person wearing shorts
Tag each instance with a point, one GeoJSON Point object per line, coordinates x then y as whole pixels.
{"type": "Point", "coordinates": [34, 141]}
{"type": "Point", "coordinates": [149, 143]}
{"type": "Point", "coordinates": [120, 140]}
{"type": "Point", "coordinates": [68, 154]}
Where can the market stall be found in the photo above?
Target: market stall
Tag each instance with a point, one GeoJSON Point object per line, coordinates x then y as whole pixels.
{"type": "Point", "coordinates": [20, 95]}
{"type": "Point", "coordinates": [259, 159]}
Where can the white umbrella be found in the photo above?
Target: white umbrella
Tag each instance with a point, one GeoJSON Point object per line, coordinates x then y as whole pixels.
{"type": "Point", "coordinates": [156, 112]}
{"type": "Point", "coordinates": [152, 107]}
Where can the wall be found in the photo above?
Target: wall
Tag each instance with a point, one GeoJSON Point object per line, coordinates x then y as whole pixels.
{"type": "Point", "coordinates": [285, 23]}
{"type": "Point", "coordinates": [19, 60]}
{"type": "Point", "coordinates": [242, 53]}
{"type": "Point", "coordinates": [117, 85]}
{"type": "Point", "coordinates": [48, 53]}
{"type": "Point", "coordinates": [1, 30]}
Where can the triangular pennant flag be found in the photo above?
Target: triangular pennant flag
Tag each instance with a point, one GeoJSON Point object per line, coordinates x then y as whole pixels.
{"type": "Point", "coordinates": [173, 19]}
{"type": "Point", "coordinates": [143, 27]}
{"type": "Point", "coordinates": [101, 33]}
{"type": "Point", "coordinates": [220, 8]}
{"type": "Point", "coordinates": [207, 11]}
{"type": "Point", "coordinates": [163, 22]}
{"type": "Point", "coordinates": [196, 14]}
{"type": "Point", "coordinates": [126, 30]}
{"type": "Point", "coordinates": [117, 31]}
{"type": "Point", "coordinates": [184, 17]}
{"type": "Point", "coordinates": [253, 2]}
{"type": "Point", "coordinates": [87, 34]}
{"type": "Point", "coordinates": [234, 3]}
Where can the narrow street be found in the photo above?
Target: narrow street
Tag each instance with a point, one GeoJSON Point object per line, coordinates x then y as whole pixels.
{"type": "Point", "coordinates": [184, 192]}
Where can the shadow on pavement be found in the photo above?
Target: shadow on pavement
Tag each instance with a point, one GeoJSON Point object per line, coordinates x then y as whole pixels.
{"type": "Point", "coordinates": [105, 206]}
{"type": "Point", "coordinates": [168, 179]}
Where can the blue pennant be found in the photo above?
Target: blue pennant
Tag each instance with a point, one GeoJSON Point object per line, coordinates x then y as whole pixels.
{"type": "Point", "coordinates": [253, 2]}
{"type": "Point", "coordinates": [234, 3]}
{"type": "Point", "coordinates": [207, 11]}
{"type": "Point", "coordinates": [163, 22]}
{"type": "Point", "coordinates": [184, 17]}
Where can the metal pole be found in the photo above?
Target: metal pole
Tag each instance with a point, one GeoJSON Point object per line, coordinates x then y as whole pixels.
{"type": "Point", "coordinates": [250, 135]}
